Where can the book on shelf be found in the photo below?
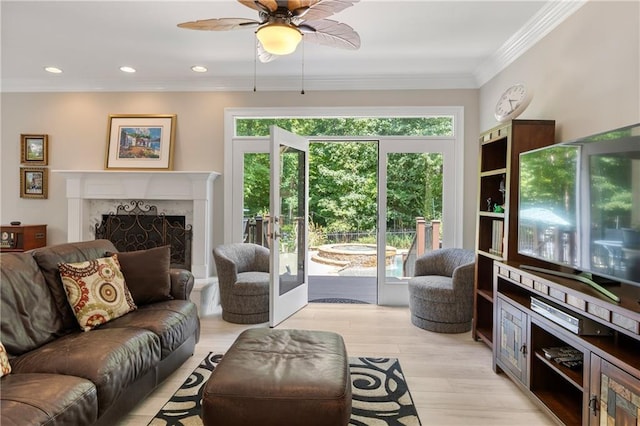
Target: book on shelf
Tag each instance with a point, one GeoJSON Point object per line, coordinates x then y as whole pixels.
{"type": "Point", "coordinates": [497, 234]}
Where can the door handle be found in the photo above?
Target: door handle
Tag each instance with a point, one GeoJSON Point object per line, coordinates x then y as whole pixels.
{"type": "Point", "coordinates": [593, 404]}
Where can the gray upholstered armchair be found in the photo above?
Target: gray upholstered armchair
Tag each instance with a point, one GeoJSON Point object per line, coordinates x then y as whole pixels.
{"type": "Point", "coordinates": [243, 278]}
{"type": "Point", "coordinates": [441, 292]}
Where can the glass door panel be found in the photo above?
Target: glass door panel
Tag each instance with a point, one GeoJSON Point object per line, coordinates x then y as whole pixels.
{"type": "Point", "coordinates": [288, 289]}
{"type": "Point", "coordinates": [291, 221]}
{"type": "Point", "coordinates": [255, 198]}
{"type": "Point", "coordinates": [416, 209]}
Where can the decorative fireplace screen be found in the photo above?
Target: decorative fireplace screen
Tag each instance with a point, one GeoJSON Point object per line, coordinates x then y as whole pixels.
{"type": "Point", "coordinates": [136, 226]}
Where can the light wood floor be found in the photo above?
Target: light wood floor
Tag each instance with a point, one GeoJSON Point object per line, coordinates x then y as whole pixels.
{"type": "Point", "coordinates": [449, 375]}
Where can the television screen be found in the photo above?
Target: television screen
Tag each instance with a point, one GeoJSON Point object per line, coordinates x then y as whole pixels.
{"type": "Point", "coordinates": [548, 205]}
{"type": "Point", "coordinates": [579, 204]}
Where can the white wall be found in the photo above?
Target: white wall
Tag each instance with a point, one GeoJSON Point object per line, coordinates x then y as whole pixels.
{"type": "Point", "coordinates": [585, 74]}
{"type": "Point", "coordinates": [77, 127]}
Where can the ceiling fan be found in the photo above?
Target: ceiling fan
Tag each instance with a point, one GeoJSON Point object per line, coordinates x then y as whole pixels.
{"type": "Point", "coordinates": [283, 23]}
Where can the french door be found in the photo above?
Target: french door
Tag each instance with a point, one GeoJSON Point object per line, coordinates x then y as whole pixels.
{"type": "Point", "coordinates": [394, 154]}
{"type": "Point", "coordinates": [289, 192]}
{"type": "Point", "coordinates": [242, 149]}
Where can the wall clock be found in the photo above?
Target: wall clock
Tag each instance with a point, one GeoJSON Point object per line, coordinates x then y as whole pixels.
{"type": "Point", "coordinates": [512, 102]}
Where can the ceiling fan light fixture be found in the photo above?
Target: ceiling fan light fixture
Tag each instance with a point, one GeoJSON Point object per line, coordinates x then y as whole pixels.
{"type": "Point", "coordinates": [279, 39]}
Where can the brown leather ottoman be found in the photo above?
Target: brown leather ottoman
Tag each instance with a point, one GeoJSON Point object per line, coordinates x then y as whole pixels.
{"type": "Point", "coordinates": [280, 377]}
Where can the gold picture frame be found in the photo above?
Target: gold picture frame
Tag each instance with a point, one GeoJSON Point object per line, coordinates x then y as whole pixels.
{"type": "Point", "coordinates": [34, 149]}
{"type": "Point", "coordinates": [34, 182]}
{"type": "Point", "coordinates": [140, 141]}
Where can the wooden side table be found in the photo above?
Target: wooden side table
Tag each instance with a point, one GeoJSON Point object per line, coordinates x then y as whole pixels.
{"type": "Point", "coordinates": [18, 238]}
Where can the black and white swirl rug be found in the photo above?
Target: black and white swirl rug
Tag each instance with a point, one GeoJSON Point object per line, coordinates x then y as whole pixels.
{"type": "Point", "coordinates": [380, 395]}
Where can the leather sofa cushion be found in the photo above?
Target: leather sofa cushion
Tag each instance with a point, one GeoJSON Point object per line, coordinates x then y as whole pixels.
{"type": "Point", "coordinates": [29, 314]}
{"type": "Point", "coordinates": [173, 321]}
{"type": "Point", "coordinates": [50, 399]}
{"type": "Point", "coordinates": [147, 274]}
{"type": "Point", "coordinates": [111, 359]}
{"type": "Point", "coordinates": [48, 259]}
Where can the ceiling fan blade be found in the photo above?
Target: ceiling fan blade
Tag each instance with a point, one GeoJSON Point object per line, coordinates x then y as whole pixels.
{"type": "Point", "coordinates": [219, 24]}
{"type": "Point", "coordinates": [330, 33]}
{"type": "Point", "coordinates": [325, 8]}
{"type": "Point", "coordinates": [270, 5]}
{"type": "Point", "coordinates": [299, 4]}
{"type": "Point", "coordinates": [300, 12]}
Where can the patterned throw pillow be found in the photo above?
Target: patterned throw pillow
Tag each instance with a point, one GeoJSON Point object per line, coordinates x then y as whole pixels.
{"type": "Point", "coordinates": [5, 367]}
{"type": "Point", "coordinates": [96, 291]}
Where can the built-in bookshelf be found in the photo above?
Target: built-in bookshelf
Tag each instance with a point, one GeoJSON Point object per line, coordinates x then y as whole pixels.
{"type": "Point", "coordinates": [497, 235]}
{"type": "Point", "coordinates": [496, 226]}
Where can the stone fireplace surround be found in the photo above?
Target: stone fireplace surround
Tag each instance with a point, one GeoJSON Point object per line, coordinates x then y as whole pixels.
{"type": "Point", "coordinates": [90, 193]}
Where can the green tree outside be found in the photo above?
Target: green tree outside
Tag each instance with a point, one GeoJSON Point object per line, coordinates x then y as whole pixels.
{"type": "Point", "coordinates": [343, 175]}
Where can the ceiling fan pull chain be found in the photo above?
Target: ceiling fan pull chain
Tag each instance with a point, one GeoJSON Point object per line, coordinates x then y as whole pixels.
{"type": "Point", "coordinates": [255, 60]}
{"type": "Point", "coordinates": [302, 82]}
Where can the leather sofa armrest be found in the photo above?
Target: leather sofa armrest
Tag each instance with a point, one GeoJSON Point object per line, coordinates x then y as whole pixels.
{"type": "Point", "coordinates": [182, 282]}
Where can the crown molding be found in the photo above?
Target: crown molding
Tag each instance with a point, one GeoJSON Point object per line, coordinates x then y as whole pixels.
{"type": "Point", "coordinates": [552, 14]}
{"type": "Point", "coordinates": [246, 84]}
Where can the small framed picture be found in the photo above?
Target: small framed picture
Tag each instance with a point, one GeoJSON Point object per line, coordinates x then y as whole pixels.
{"type": "Point", "coordinates": [140, 141]}
{"type": "Point", "coordinates": [34, 149]}
{"type": "Point", "coordinates": [33, 182]}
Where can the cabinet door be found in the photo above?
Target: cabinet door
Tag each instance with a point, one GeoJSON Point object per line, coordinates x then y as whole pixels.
{"type": "Point", "coordinates": [615, 395]}
{"type": "Point", "coordinates": [511, 347]}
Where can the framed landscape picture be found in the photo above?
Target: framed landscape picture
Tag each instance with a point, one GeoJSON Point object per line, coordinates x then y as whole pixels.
{"type": "Point", "coordinates": [33, 182]}
{"type": "Point", "coordinates": [34, 149]}
{"type": "Point", "coordinates": [140, 141]}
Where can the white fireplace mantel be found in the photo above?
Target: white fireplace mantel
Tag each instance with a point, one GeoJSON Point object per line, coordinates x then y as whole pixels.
{"type": "Point", "coordinates": [195, 186]}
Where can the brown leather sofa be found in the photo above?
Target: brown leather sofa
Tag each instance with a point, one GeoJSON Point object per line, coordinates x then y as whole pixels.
{"type": "Point", "coordinates": [61, 375]}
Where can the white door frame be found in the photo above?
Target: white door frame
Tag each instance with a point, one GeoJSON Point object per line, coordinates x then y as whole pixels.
{"type": "Point", "coordinates": [235, 147]}
{"type": "Point", "coordinates": [397, 293]}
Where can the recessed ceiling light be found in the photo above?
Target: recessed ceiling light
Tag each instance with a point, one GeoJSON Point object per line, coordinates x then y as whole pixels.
{"type": "Point", "coordinates": [198, 68]}
{"type": "Point", "coordinates": [53, 70]}
{"type": "Point", "coordinates": [127, 69]}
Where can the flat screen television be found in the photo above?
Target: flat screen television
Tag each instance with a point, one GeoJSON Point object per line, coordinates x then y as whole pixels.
{"type": "Point", "coordinates": [579, 205]}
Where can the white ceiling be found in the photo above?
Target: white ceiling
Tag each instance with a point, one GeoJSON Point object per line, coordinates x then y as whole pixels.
{"type": "Point", "coordinates": [405, 45]}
